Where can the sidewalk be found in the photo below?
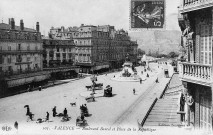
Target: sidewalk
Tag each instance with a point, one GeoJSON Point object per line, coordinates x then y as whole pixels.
{"type": "Point", "coordinates": [164, 112]}
{"type": "Point", "coordinates": [138, 110]}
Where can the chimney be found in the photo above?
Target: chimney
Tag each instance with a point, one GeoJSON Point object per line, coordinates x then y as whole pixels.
{"type": "Point", "coordinates": [12, 23]}
{"type": "Point", "coordinates": [21, 25]}
{"type": "Point", "coordinates": [37, 26]}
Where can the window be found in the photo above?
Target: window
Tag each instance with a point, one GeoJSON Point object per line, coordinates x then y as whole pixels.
{"type": "Point", "coordinates": [10, 70]}
{"type": "Point", "coordinates": [1, 59]}
{"type": "Point", "coordinates": [19, 47]}
{"type": "Point", "coordinates": [28, 58]}
{"type": "Point", "coordinates": [57, 49]}
{"type": "Point", "coordinates": [9, 48]}
{"type": "Point", "coordinates": [64, 55]}
{"type": "Point", "coordinates": [19, 58]}
{"type": "Point", "coordinates": [70, 56]}
{"type": "Point", "coordinates": [28, 47]}
{"type": "Point", "coordinates": [9, 59]}
{"type": "Point", "coordinates": [64, 50]}
{"type": "Point", "coordinates": [36, 66]}
{"type": "Point", "coordinates": [28, 67]}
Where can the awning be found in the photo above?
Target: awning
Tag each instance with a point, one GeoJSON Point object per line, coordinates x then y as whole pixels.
{"type": "Point", "coordinates": [22, 81]}
{"type": "Point", "coordinates": [100, 67]}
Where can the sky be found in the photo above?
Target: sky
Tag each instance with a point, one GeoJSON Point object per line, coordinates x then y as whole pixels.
{"type": "Point", "coordinates": [68, 13]}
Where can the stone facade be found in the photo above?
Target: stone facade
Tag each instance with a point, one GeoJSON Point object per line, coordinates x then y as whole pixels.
{"type": "Point", "coordinates": [101, 47]}
{"type": "Point", "coordinates": [59, 48]}
{"type": "Point", "coordinates": [196, 73]}
{"type": "Point", "coordinates": [20, 53]}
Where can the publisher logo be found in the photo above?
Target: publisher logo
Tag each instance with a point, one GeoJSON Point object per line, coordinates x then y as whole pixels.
{"type": "Point", "coordinates": [6, 128]}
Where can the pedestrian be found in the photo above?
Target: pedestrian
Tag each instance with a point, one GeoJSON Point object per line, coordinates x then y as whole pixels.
{"type": "Point", "coordinates": [16, 125]}
{"type": "Point", "coordinates": [65, 112]}
{"type": "Point", "coordinates": [140, 81]}
{"type": "Point", "coordinates": [40, 88]}
{"type": "Point", "coordinates": [31, 116]}
{"type": "Point", "coordinates": [54, 111]}
{"type": "Point", "coordinates": [147, 75]}
{"type": "Point", "coordinates": [28, 110]}
{"type": "Point", "coordinates": [134, 91]}
{"type": "Point", "coordinates": [29, 88]}
{"type": "Point", "coordinates": [157, 80]}
{"type": "Point", "coordinates": [114, 76]}
{"type": "Point", "coordinates": [47, 117]}
{"type": "Point", "coordinates": [182, 104]}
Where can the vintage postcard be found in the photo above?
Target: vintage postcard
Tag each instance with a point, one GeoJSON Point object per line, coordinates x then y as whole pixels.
{"type": "Point", "coordinates": [106, 67]}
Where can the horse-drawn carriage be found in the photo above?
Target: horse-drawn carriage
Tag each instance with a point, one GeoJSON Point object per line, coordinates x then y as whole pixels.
{"type": "Point", "coordinates": [84, 111]}
{"type": "Point", "coordinates": [95, 86]}
{"type": "Point", "coordinates": [108, 91]}
{"type": "Point", "coordinates": [80, 121]}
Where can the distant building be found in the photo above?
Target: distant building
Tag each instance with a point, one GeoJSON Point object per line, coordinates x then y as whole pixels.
{"type": "Point", "coordinates": [99, 48]}
{"type": "Point", "coordinates": [59, 48]}
{"type": "Point", "coordinates": [20, 57]}
{"type": "Point", "coordinates": [59, 53]}
{"type": "Point", "coordinates": [195, 21]}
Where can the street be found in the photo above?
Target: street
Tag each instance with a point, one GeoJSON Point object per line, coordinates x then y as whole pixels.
{"type": "Point", "coordinates": [121, 109]}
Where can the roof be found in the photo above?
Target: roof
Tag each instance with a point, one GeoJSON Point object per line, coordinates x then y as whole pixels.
{"type": "Point", "coordinates": [8, 27]}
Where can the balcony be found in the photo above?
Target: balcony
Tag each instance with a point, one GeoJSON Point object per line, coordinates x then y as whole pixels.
{"type": "Point", "coordinates": [195, 73]}
{"type": "Point", "coordinates": [191, 5]}
{"type": "Point", "coordinates": [20, 51]}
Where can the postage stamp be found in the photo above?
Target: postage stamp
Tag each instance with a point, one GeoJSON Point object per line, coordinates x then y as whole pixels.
{"type": "Point", "coordinates": [147, 14]}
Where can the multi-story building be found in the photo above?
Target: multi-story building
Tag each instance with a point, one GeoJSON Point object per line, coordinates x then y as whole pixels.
{"type": "Point", "coordinates": [59, 48]}
{"type": "Point", "coordinates": [196, 23]}
{"type": "Point", "coordinates": [99, 48]}
{"type": "Point", "coordinates": [20, 56]}
{"type": "Point", "coordinates": [59, 51]}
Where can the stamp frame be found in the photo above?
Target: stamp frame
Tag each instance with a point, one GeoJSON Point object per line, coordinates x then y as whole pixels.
{"type": "Point", "coordinates": [144, 29]}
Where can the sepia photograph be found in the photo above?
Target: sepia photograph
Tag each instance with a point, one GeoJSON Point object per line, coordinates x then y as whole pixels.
{"type": "Point", "coordinates": [106, 67]}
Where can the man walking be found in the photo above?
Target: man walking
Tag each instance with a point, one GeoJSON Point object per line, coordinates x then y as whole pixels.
{"type": "Point", "coordinates": [47, 117]}
{"type": "Point", "coordinates": [134, 91]}
{"type": "Point", "coordinates": [147, 75]}
{"type": "Point", "coordinates": [28, 110]}
{"type": "Point", "coordinates": [65, 112]}
{"type": "Point", "coordinates": [54, 111]}
{"type": "Point", "coordinates": [157, 80]}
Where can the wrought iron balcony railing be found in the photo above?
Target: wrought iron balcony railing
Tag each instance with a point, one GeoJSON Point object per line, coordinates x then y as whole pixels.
{"type": "Point", "coordinates": [191, 5]}
{"type": "Point", "coordinates": [195, 73]}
